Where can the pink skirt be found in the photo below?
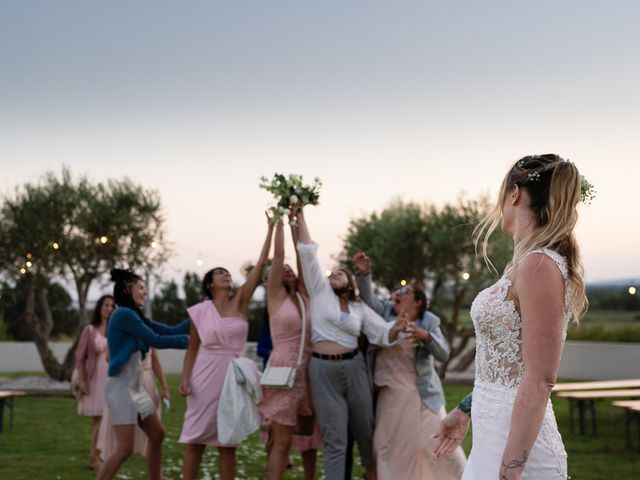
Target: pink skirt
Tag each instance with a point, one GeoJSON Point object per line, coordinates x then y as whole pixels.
{"type": "Point", "coordinates": [93, 404]}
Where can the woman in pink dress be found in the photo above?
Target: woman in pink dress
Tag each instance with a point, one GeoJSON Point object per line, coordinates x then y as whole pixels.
{"type": "Point", "coordinates": [287, 409]}
{"type": "Point", "coordinates": [218, 334]}
{"type": "Point", "coordinates": [151, 369]}
{"type": "Point", "coordinates": [91, 370]}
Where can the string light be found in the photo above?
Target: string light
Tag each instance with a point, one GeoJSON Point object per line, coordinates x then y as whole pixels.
{"type": "Point", "coordinates": [29, 264]}
{"type": "Point", "coordinates": [55, 245]}
{"type": "Point", "coordinates": [465, 276]}
{"type": "Point", "coordinates": [29, 255]}
{"type": "Point", "coordinates": [632, 290]}
{"type": "Point", "coordinates": [23, 271]}
{"type": "Point", "coordinates": [403, 283]}
{"type": "Point", "coordinates": [199, 262]}
{"type": "Point", "coordinates": [104, 239]}
{"type": "Point", "coordinates": [154, 244]}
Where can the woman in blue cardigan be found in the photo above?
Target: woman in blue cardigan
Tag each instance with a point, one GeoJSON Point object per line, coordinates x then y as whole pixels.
{"type": "Point", "coordinates": [129, 336]}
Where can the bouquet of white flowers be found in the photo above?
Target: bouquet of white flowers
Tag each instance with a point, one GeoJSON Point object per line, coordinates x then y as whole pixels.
{"type": "Point", "coordinates": [288, 191]}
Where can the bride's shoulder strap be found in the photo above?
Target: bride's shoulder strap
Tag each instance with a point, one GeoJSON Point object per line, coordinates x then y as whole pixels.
{"type": "Point", "coordinates": [553, 255]}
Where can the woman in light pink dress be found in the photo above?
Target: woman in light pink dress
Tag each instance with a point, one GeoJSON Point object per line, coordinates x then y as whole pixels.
{"type": "Point", "coordinates": [289, 409]}
{"type": "Point", "coordinates": [402, 440]}
{"type": "Point", "coordinates": [91, 370]}
{"type": "Point", "coordinates": [151, 369]}
{"type": "Point", "coordinates": [218, 334]}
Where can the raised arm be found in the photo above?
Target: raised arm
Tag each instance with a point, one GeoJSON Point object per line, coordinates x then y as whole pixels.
{"type": "Point", "coordinates": [303, 231]}
{"type": "Point", "coordinates": [255, 276]}
{"type": "Point", "coordinates": [539, 288]}
{"type": "Point", "coordinates": [275, 291]}
{"type": "Point", "coordinates": [362, 263]}
{"type": "Point", "coordinates": [315, 280]}
{"type": "Point", "coordinates": [302, 288]}
{"type": "Point", "coordinates": [189, 361]}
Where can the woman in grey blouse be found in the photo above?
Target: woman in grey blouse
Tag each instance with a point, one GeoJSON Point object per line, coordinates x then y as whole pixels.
{"type": "Point", "coordinates": [340, 385]}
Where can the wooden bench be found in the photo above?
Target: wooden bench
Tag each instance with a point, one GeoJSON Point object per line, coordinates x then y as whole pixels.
{"type": "Point", "coordinates": [599, 385]}
{"type": "Point", "coordinates": [588, 399]}
{"type": "Point", "coordinates": [6, 398]}
{"type": "Point", "coordinates": [632, 412]}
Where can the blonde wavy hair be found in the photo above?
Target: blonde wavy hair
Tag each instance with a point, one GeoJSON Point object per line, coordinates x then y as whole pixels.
{"type": "Point", "coordinates": [553, 185]}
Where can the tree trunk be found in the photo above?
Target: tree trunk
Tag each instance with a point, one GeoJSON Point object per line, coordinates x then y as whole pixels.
{"type": "Point", "coordinates": [41, 329]}
{"type": "Point", "coordinates": [465, 360]}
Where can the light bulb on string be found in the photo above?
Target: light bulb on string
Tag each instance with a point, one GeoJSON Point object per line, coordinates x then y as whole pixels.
{"type": "Point", "coordinates": [154, 244]}
{"type": "Point", "coordinates": [403, 283]}
{"type": "Point", "coordinates": [29, 255]}
{"type": "Point", "coordinates": [23, 271]}
{"type": "Point", "coordinates": [104, 239]}
{"type": "Point", "coordinates": [199, 262]}
{"type": "Point", "coordinates": [55, 245]}
{"type": "Point", "coordinates": [29, 264]}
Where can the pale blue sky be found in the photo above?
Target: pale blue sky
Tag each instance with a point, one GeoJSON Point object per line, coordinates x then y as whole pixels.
{"type": "Point", "coordinates": [421, 99]}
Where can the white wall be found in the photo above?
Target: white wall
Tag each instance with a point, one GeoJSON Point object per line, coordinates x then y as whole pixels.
{"type": "Point", "coordinates": [23, 356]}
{"type": "Point", "coordinates": [580, 361]}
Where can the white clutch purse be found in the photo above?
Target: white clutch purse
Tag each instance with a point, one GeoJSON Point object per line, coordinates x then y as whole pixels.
{"type": "Point", "coordinates": [284, 377]}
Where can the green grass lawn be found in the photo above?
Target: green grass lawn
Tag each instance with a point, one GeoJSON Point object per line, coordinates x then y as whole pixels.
{"type": "Point", "coordinates": [596, 326]}
{"type": "Point", "coordinates": [50, 441]}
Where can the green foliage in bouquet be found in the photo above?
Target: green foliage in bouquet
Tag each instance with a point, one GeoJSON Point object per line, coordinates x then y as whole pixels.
{"type": "Point", "coordinates": [288, 191]}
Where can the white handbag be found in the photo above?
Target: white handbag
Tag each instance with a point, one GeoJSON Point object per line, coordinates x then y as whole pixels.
{"type": "Point", "coordinates": [284, 377]}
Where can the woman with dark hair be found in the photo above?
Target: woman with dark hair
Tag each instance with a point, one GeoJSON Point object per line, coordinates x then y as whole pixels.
{"type": "Point", "coordinates": [218, 334]}
{"type": "Point", "coordinates": [91, 370]}
{"type": "Point", "coordinates": [405, 375]}
{"type": "Point", "coordinates": [130, 334]}
{"type": "Point", "coordinates": [340, 384]}
{"type": "Point", "coordinates": [288, 408]}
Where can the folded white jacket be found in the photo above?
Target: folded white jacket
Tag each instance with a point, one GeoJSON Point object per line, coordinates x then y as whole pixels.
{"type": "Point", "coordinates": [238, 415]}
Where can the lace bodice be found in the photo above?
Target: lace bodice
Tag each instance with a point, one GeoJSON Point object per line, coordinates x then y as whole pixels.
{"type": "Point", "coordinates": [498, 329]}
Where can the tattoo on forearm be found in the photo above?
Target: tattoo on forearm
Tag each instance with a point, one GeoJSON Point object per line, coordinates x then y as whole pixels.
{"type": "Point", "coordinates": [513, 465]}
{"type": "Point", "coordinates": [465, 404]}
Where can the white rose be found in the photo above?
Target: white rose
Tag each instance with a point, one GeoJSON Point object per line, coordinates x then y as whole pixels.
{"type": "Point", "coordinates": [293, 199]}
{"type": "Point", "coordinates": [286, 211]}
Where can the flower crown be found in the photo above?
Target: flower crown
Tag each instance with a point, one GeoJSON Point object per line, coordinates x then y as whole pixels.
{"type": "Point", "coordinates": [587, 190]}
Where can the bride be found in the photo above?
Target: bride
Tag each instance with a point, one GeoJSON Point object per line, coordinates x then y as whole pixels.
{"type": "Point", "coordinates": [521, 324]}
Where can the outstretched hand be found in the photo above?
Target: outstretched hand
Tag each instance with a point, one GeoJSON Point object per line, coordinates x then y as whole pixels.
{"type": "Point", "coordinates": [453, 429]}
{"type": "Point", "coordinates": [402, 322]}
{"type": "Point", "coordinates": [362, 263]}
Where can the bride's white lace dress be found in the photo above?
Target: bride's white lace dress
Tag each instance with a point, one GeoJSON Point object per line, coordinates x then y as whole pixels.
{"type": "Point", "coordinates": [499, 372]}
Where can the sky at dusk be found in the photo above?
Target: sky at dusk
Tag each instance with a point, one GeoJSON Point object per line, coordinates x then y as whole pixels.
{"type": "Point", "coordinates": [420, 100]}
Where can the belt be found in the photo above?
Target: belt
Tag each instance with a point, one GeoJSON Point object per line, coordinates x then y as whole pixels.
{"type": "Point", "coordinates": [335, 356]}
